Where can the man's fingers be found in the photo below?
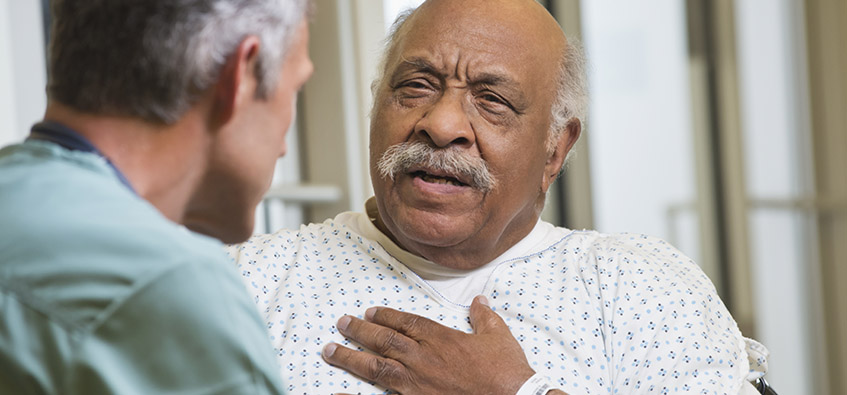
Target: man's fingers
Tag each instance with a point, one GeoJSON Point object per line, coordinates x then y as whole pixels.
{"type": "Point", "coordinates": [485, 320]}
{"type": "Point", "coordinates": [383, 371]}
{"type": "Point", "coordinates": [378, 338]}
{"type": "Point", "coordinates": [411, 325]}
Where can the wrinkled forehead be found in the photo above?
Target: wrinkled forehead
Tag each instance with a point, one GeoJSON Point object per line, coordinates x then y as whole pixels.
{"type": "Point", "coordinates": [467, 37]}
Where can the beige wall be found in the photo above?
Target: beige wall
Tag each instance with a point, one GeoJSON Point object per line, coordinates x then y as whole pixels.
{"type": "Point", "coordinates": [826, 23]}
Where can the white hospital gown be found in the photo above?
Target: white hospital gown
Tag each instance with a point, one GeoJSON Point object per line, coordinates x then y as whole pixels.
{"type": "Point", "coordinates": [596, 313]}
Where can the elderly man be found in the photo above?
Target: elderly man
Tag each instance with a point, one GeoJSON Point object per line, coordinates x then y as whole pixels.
{"type": "Point", "coordinates": [477, 107]}
{"type": "Point", "coordinates": [153, 105]}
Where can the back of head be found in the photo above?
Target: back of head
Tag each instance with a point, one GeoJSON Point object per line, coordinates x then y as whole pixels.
{"type": "Point", "coordinates": [153, 59]}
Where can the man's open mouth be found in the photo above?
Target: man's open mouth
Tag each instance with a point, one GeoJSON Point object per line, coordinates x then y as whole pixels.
{"type": "Point", "coordinates": [431, 178]}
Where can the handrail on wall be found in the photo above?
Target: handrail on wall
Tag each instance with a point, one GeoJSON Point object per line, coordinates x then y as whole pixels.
{"type": "Point", "coordinates": [304, 193]}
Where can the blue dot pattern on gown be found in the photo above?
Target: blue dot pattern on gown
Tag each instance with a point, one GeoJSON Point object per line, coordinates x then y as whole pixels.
{"type": "Point", "coordinates": [596, 313]}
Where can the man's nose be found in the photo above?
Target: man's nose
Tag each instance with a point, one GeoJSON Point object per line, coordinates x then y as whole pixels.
{"type": "Point", "coordinates": [446, 122]}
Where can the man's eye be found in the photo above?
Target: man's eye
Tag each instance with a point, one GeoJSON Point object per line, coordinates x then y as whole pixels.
{"type": "Point", "coordinates": [416, 85]}
{"type": "Point", "coordinates": [413, 92]}
{"type": "Point", "coordinates": [489, 97]}
{"type": "Point", "coordinates": [493, 102]}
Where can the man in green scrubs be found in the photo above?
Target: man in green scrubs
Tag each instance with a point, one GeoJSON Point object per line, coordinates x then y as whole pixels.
{"type": "Point", "coordinates": [160, 113]}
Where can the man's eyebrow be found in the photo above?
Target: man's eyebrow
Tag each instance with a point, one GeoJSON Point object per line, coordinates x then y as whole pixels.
{"type": "Point", "coordinates": [494, 79]}
{"type": "Point", "coordinates": [504, 84]}
{"type": "Point", "coordinates": [416, 64]}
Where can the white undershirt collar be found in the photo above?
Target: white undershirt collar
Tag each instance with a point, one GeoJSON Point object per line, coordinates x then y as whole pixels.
{"type": "Point", "coordinates": [429, 270]}
{"type": "Point", "coordinates": [455, 286]}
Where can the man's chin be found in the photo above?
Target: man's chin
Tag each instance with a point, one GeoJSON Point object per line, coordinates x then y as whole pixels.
{"type": "Point", "coordinates": [433, 232]}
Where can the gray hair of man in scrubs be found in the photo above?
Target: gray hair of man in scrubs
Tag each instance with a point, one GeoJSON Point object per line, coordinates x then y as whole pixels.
{"type": "Point", "coordinates": [159, 66]}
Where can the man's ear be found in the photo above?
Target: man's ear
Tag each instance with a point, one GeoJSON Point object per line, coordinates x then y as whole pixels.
{"type": "Point", "coordinates": [237, 81]}
{"type": "Point", "coordinates": [556, 159]}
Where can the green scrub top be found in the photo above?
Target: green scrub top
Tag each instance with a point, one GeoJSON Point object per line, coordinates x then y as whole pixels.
{"type": "Point", "coordinates": [99, 293]}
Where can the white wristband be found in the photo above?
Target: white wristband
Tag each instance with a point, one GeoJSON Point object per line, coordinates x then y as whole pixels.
{"type": "Point", "coordinates": [536, 385]}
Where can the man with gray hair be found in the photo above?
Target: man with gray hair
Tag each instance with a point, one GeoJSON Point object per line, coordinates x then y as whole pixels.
{"type": "Point", "coordinates": [478, 104]}
{"type": "Point", "coordinates": [154, 107]}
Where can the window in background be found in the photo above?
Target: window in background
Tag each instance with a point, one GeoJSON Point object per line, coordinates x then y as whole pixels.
{"type": "Point", "coordinates": [775, 149]}
{"type": "Point", "coordinates": [640, 127]}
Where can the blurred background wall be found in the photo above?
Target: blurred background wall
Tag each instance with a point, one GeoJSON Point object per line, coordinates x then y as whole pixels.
{"type": "Point", "coordinates": [719, 125]}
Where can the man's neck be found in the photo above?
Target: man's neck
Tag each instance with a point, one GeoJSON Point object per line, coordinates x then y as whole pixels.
{"type": "Point", "coordinates": [470, 254]}
{"type": "Point", "coordinates": [163, 163]}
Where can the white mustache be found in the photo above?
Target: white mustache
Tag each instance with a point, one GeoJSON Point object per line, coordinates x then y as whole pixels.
{"type": "Point", "coordinates": [399, 158]}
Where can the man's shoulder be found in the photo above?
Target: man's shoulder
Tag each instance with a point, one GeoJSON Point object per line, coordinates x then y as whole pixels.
{"type": "Point", "coordinates": [628, 258]}
{"type": "Point", "coordinates": [590, 244]}
{"type": "Point", "coordinates": [649, 299]}
{"type": "Point", "coordinates": [49, 160]}
{"type": "Point", "coordinates": [78, 241]}
{"type": "Point", "coordinates": [82, 287]}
